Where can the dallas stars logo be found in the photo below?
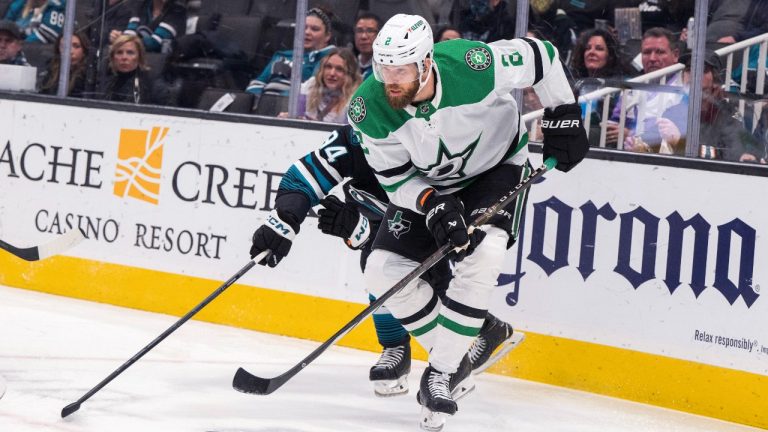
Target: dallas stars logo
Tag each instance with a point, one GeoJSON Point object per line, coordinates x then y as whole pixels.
{"type": "Point", "coordinates": [357, 110]}
{"type": "Point", "coordinates": [478, 58]}
{"type": "Point", "coordinates": [449, 166]}
{"type": "Point", "coordinates": [397, 225]}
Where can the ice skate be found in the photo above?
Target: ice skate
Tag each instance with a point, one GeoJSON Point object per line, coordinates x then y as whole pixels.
{"type": "Point", "coordinates": [390, 373]}
{"type": "Point", "coordinates": [495, 340]}
{"type": "Point", "coordinates": [439, 392]}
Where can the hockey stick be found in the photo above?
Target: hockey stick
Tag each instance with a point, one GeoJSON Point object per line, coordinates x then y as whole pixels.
{"type": "Point", "coordinates": [74, 406]}
{"type": "Point", "coordinates": [54, 247]}
{"type": "Point", "coordinates": [246, 382]}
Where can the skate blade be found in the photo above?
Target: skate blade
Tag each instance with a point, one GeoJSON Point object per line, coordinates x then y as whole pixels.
{"type": "Point", "coordinates": [391, 388]}
{"type": "Point", "coordinates": [505, 347]}
{"type": "Point", "coordinates": [463, 388]}
{"type": "Point", "coordinates": [432, 421]}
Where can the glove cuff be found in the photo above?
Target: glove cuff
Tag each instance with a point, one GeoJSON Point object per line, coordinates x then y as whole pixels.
{"type": "Point", "coordinates": [282, 225]}
{"type": "Point", "coordinates": [422, 201]}
{"type": "Point", "coordinates": [360, 234]}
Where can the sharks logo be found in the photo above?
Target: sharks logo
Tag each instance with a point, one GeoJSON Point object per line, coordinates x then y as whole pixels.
{"type": "Point", "coordinates": [398, 226]}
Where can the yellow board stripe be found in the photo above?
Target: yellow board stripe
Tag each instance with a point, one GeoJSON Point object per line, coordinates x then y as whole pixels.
{"type": "Point", "coordinates": [697, 388]}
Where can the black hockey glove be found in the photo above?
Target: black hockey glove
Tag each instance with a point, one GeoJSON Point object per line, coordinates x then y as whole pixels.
{"type": "Point", "coordinates": [342, 220]}
{"type": "Point", "coordinates": [277, 235]}
{"type": "Point", "coordinates": [445, 221]}
{"type": "Point", "coordinates": [564, 136]}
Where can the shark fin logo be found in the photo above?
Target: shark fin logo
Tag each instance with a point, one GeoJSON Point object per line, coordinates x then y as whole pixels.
{"type": "Point", "coordinates": [139, 163]}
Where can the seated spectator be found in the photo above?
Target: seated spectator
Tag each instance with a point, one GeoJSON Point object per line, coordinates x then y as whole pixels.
{"type": "Point", "coordinates": [722, 134]}
{"type": "Point", "coordinates": [326, 95]}
{"type": "Point", "coordinates": [447, 33]}
{"type": "Point", "coordinates": [40, 20]}
{"type": "Point", "coordinates": [129, 80]}
{"type": "Point", "coordinates": [487, 21]}
{"type": "Point", "coordinates": [596, 55]}
{"type": "Point", "coordinates": [366, 29]}
{"type": "Point", "coordinates": [755, 23]}
{"type": "Point", "coordinates": [726, 18]}
{"type": "Point", "coordinates": [157, 22]}
{"type": "Point", "coordinates": [276, 76]}
{"type": "Point", "coordinates": [78, 55]}
{"type": "Point", "coordinates": [10, 44]}
{"type": "Point", "coordinates": [658, 50]}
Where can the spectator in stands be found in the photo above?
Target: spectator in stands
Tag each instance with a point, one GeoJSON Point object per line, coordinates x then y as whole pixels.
{"type": "Point", "coordinates": [447, 33]}
{"type": "Point", "coordinates": [366, 29]}
{"type": "Point", "coordinates": [326, 95]}
{"type": "Point", "coordinates": [596, 55]}
{"type": "Point", "coordinates": [276, 76]}
{"type": "Point", "coordinates": [755, 23]}
{"type": "Point", "coordinates": [487, 21]}
{"type": "Point", "coordinates": [722, 134]}
{"type": "Point", "coordinates": [40, 20]}
{"type": "Point", "coordinates": [158, 23]}
{"type": "Point", "coordinates": [78, 55]}
{"type": "Point", "coordinates": [10, 44]}
{"type": "Point", "coordinates": [129, 81]}
{"type": "Point", "coordinates": [726, 18]}
{"type": "Point", "coordinates": [658, 50]}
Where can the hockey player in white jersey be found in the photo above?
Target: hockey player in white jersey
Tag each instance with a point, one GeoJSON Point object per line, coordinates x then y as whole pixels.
{"type": "Point", "coordinates": [442, 132]}
{"type": "Point", "coordinates": [308, 183]}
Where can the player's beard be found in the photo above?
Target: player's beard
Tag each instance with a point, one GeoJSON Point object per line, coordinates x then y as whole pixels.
{"type": "Point", "coordinates": [407, 93]}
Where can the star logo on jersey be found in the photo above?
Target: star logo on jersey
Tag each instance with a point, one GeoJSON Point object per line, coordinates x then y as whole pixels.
{"type": "Point", "coordinates": [357, 109]}
{"type": "Point", "coordinates": [397, 225]}
{"type": "Point", "coordinates": [449, 166]}
{"type": "Point", "coordinates": [478, 58]}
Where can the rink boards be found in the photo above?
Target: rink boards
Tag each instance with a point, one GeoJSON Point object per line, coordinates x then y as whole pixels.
{"type": "Point", "coordinates": [631, 280]}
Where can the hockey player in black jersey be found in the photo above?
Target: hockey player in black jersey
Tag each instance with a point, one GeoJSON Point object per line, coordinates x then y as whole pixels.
{"type": "Point", "coordinates": [307, 183]}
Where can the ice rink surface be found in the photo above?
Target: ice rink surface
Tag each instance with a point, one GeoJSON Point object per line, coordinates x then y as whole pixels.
{"type": "Point", "coordinates": [54, 349]}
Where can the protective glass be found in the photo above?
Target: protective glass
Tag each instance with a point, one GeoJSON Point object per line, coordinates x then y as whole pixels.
{"type": "Point", "coordinates": [400, 74]}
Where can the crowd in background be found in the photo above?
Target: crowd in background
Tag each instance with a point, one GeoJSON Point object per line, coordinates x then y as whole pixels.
{"type": "Point", "coordinates": [192, 53]}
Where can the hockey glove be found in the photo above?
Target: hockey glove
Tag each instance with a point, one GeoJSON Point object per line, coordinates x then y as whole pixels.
{"type": "Point", "coordinates": [276, 235]}
{"type": "Point", "coordinates": [342, 220]}
{"type": "Point", "coordinates": [564, 136]}
{"type": "Point", "coordinates": [445, 221]}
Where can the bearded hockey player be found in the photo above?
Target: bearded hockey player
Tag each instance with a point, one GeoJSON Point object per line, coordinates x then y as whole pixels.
{"type": "Point", "coordinates": [356, 219]}
{"type": "Point", "coordinates": [442, 132]}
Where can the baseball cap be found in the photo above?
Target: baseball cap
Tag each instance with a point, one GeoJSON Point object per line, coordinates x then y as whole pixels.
{"type": "Point", "coordinates": [10, 27]}
{"type": "Point", "coordinates": [710, 58]}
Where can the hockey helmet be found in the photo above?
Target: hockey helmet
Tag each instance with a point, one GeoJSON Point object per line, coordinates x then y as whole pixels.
{"type": "Point", "coordinates": [403, 41]}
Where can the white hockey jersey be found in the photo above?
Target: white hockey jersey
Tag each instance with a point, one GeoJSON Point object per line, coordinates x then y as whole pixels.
{"type": "Point", "coordinates": [471, 125]}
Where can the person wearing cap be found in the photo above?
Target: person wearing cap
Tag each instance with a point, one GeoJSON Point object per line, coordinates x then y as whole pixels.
{"type": "Point", "coordinates": [10, 44]}
{"type": "Point", "coordinates": [722, 134]}
{"type": "Point", "coordinates": [41, 21]}
{"type": "Point", "coordinates": [276, 76]}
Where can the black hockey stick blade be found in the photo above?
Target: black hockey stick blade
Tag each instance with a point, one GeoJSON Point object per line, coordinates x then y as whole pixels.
{"type": "Point", "coordinates": [69, 409]}
{"type": "Point", "coordinates": [54, 247]}
{"type": "Point", "coordinates": [246, 382]}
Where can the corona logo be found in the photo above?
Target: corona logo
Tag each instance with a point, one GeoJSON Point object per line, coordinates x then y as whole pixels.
{"type": "Point", "coordinates": [139, 163]}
